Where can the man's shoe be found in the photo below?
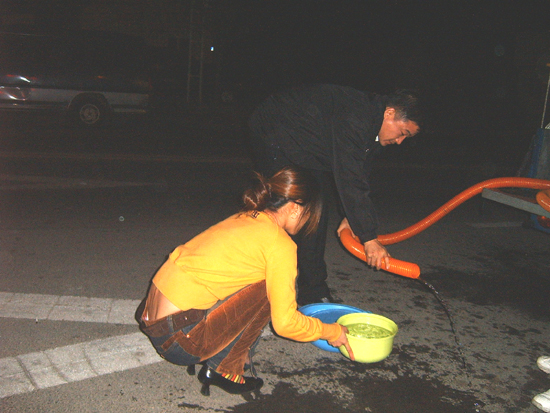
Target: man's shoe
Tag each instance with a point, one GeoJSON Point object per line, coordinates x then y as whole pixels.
{"type": "Point", "coordinates": [542, 401]}
{"type": "Point", "coordinates": [544, 363]}
{"type": "Point", "coordinates": [305, 301]}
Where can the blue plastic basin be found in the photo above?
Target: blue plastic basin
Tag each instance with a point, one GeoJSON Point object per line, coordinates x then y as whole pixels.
{"type": "Point", "coordinates": [328, 313]}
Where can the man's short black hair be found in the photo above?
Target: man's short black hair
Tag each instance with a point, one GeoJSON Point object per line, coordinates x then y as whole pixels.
{"type": "Point", "coordinates": [407, 105]}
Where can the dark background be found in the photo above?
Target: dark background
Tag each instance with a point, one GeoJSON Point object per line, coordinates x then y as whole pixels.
{"type": "Point", "coordinates": [480, 64]}
{"type": "Point", "coordinates": [476, 61]}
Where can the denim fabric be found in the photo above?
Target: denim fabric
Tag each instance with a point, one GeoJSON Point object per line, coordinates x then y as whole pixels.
{"type": "Point", "coordinates": [175, 354]}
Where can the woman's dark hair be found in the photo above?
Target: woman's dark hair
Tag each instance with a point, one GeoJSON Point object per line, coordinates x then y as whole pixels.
{"type": "Point", "coordinates": [290, 184]}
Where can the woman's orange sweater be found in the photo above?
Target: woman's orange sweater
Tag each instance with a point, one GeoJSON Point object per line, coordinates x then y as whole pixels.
{"type": "Point", "coordinates": [243, 249]}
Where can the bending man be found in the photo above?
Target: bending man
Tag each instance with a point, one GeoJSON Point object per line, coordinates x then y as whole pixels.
{"type": "Point", "coordinates": [338, 131]}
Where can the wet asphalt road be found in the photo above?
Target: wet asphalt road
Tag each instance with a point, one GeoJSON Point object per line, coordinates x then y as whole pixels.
{"type": "Point", "coordinates": [63, 234]}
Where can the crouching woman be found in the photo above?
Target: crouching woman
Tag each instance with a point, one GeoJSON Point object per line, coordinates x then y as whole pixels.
{"type": "Point", "coordinates": [211, 299]}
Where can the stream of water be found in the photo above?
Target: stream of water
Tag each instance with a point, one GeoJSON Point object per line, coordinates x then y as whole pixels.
{"type": "Point", "coordinates": [451, 321]}
{"type": "Point", "coordinates": [477, 406]}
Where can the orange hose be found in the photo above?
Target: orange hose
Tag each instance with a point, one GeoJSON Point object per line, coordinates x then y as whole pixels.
{"type": "Point", "coordinates": [408, 269]}
{"type": "Point", "coordinates": [543, 198]}
{"type": "Point", "coordinates": [459, 199]}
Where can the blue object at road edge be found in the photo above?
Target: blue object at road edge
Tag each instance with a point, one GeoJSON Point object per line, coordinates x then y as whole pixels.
{"type": "Point", "coordinates": [328, 313]}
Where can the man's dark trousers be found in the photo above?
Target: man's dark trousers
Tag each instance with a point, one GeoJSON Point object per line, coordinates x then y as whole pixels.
{"type": "Point", "coordinates": [312, 269]}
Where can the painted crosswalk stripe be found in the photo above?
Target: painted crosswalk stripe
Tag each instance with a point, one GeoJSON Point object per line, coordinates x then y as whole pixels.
{"type": "Point", "coordinates": [66, 364]}
{"type": "Point", "coordinates": [62, 365]}
{"type": "Point", "coordinates": [67, 308]}
{"type": "Point", "coordinates": [39, 370]}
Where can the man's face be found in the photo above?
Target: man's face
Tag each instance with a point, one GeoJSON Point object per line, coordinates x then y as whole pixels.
{"type": "Point", "coordinates": [395, 130]}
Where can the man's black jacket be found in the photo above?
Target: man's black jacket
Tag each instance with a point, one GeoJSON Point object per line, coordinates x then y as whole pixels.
{"type": "Point", "coordinates": [329, 128]}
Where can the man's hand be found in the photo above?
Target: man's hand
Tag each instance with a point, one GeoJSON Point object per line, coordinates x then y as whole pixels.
{"type": "Point", "coordinates": [375, 253]}
{"type": "Point", "coordinates": [343, 341]}
{"type": "Point", "coordinates": [343, 225]}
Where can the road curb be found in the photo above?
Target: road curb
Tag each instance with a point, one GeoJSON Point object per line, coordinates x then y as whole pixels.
{"type": "Point", "coordinates": [125, 157]}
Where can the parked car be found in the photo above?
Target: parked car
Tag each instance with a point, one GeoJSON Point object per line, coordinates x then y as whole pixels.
{"type": "Point", "coordinates": [90, 76]}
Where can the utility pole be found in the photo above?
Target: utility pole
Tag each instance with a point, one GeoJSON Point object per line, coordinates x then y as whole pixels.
{"type": "Point", "coordinates": [198, 17]}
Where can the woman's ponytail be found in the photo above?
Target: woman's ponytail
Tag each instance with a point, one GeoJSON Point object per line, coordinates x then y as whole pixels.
{"type": "Point", "coordinates": [256, 197]}
{"type": "Point", "coordinates": [290, 184]}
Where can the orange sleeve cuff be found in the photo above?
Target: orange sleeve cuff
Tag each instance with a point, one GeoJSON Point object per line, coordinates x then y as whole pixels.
{"type": "Point", "coordinates": [332, 332]}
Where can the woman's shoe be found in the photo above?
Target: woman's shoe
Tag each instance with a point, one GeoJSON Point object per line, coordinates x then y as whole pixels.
{"type": "Point", "coordinates": [208, 376]}
{"type": "Point", "coordinates": [191, 368]}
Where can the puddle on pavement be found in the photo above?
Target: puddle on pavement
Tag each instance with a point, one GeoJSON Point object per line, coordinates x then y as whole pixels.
{"type": "Point", "coordinates": [401, 395]}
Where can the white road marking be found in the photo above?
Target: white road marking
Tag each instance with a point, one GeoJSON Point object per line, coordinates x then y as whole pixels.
{"type": "Point", "coordinates": [29, 372]}
{"type": "Point", "coordinates": [62, 365]}
{"type": "Point", "coordinates": [67, 308]}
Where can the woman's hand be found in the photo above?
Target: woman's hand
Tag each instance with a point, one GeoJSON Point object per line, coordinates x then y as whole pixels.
{"type": "Point", "coordinates": [343, 341]}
